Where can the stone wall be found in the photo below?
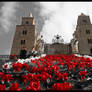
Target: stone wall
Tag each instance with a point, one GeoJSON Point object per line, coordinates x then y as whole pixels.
{"type": "Point", "coordinates": [57, 48]}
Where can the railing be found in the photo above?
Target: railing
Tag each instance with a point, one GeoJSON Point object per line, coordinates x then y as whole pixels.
{"type": "Point", "coordinates": [4, 59]}
{"type": "Point", "coordinates": [4, 56]}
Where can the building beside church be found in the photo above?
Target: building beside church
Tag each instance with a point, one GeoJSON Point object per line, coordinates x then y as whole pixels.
{"type": "Point", "coordinates": [25, 35]}
{"type": "Point", "coordinates": [82, 37]}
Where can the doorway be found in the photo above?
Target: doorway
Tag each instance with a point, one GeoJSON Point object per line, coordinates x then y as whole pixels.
{"type": "Point", "coordinates": [91, 51]}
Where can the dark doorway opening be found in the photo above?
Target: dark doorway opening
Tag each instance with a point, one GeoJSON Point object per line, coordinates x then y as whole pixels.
{"type": "Point", "coordinates": [23, 53]}
{"type": "Point", "coordinates": [91, 51]}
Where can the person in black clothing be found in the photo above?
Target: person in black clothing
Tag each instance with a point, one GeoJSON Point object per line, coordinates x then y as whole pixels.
{"type": "Point", "coordinates": [23, 53]}
{"type": "Point", "coordinates": [33, 52]}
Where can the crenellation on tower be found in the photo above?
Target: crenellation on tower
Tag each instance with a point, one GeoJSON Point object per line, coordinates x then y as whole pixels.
{"type": "Point", "coordinates": [83, 20]}
{"type": "Point", "coordinates": [27, 20]}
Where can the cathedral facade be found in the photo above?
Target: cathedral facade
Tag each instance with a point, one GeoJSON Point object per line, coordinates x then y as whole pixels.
{"type": "Point", "coordinates": [26, 36]}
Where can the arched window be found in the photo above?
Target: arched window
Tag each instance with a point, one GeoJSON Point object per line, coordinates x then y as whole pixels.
{"type": "Point", "coordinates": [27, 22]}
{"type": "Point", "coordinates": [85, 21]}
{"type": "Point", "coordinates": [87, 31]}
{"type": "Point", "coordinates": [89, 41]}
{"type": "Point", "coordinates": [91, 51]}
{"type": "Point", "coordinates": [24, 32]}
{"type": "Point", "coordinates": [22, 42]}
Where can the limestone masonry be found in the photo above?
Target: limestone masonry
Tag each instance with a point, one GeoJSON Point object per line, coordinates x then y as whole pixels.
{"type": "Point", "coordinates": [26, 36]}
{"type": "Point", "coordinates": [82, 37]}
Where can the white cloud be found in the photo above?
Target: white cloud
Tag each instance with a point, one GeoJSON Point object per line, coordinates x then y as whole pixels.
{"type": "Point", "coordinates": [7, 52]}
{"type": "Point", "coordinates": [61, 17]}
{"type": "Point", "coordinates": [8, 15]}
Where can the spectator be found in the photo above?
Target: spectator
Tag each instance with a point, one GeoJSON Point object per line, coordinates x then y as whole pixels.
{"type": "Point", "coordinates": [32, 53]}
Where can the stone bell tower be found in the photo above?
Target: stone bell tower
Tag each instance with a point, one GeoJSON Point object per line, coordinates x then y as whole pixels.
{"type": "Point", "coordinates": [82, 42]}
{"type": "Point", "coordinates": [25, 35]}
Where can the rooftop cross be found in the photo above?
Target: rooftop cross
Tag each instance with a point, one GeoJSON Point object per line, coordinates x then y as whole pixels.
{"type": "Point", "coordinates": [57, 39]}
